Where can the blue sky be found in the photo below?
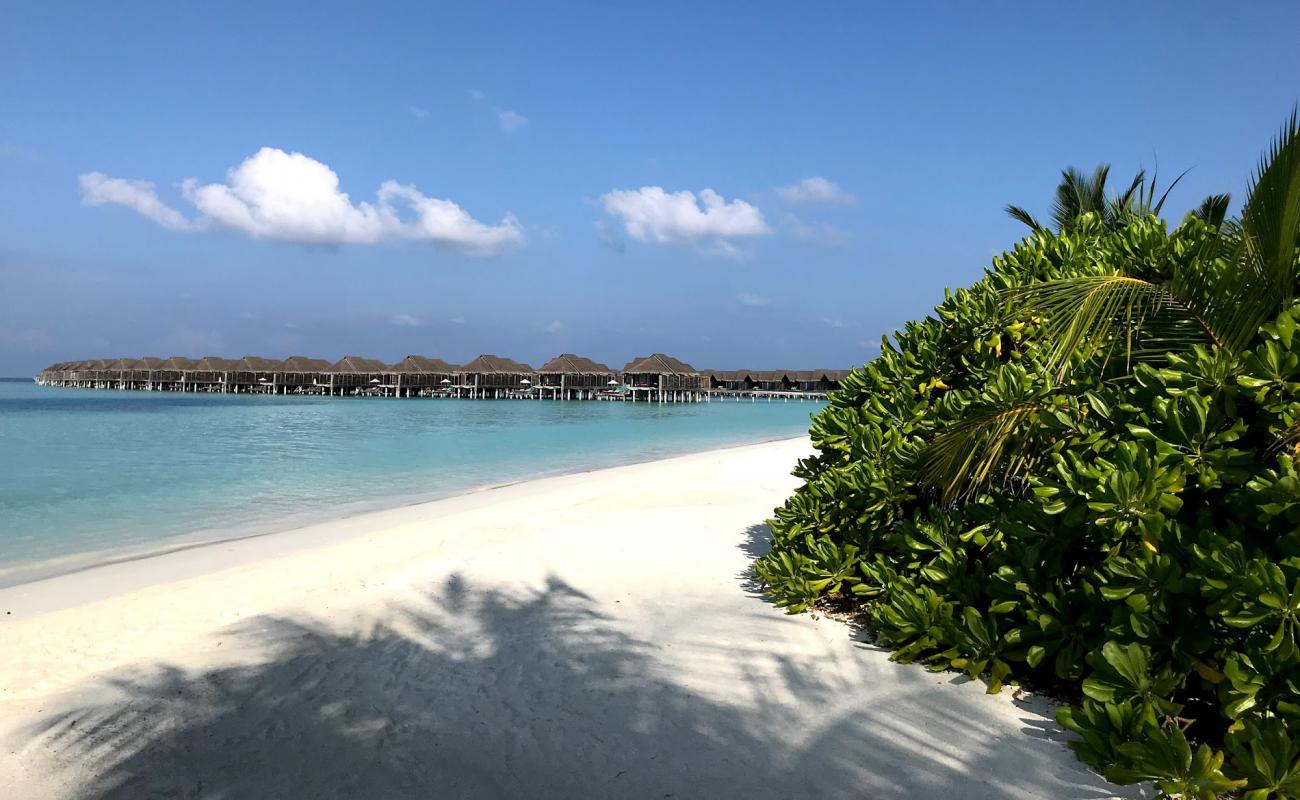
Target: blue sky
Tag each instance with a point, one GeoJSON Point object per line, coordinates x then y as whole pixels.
{"type": "Point", "coordinates": [846, 161]}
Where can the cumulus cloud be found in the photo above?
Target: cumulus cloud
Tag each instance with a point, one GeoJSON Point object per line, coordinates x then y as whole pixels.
{"type": "Point", "coordinates": [291, 197]}
{"type": "Point", "coordinates": [510, 121]}
{"type": "Point", "coordinates": [650, 214]}
{"type": "Point", "coordinates": [98, 189]}
{"type": "Point", "coordinates": [750, 299]}
{"type": "Point", "coordinates": [555, 326]}
{"type": "Point", "coordinates": [815, 190]}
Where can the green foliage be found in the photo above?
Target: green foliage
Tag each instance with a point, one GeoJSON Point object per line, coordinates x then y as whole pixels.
{"type": "Point", "coordinates": [1081, 473]}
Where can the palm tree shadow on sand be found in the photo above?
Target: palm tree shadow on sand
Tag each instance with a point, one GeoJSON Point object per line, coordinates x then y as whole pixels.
{"type": "Point", "coordinates": [482, 692]}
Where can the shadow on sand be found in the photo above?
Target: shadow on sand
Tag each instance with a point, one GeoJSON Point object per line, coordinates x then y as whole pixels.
{"type": "Point", "coordinates": [481, 692]}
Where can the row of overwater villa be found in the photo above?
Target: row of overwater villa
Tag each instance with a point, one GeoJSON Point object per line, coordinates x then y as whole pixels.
{"type": "Point", "coordinates": [653, 378]}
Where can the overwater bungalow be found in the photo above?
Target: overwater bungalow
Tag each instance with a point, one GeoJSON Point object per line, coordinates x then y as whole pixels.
{"type": "Point", "coordinates": [212, 374]}
{"type": "Point", "coordinates": [418, 375]}
{"type": "Point", "coordinates": [819, 380]}
{"type": "Point", "coordinates": [570, 377]}
{"type": "Point", "coordinates": [490, 376]}
{"type": "Point", "coordinates": [664, 378]}
{"type": "Point", "coordinates": [257, 374]}
{"type": "Point", "coordinates": [354, 375]}
{"type": "Point", "coordinates": [171, 374]}
{"type": "Point", "coordinates": [300, 375]}
{"type": "Point", "coordinates": [655, 377]}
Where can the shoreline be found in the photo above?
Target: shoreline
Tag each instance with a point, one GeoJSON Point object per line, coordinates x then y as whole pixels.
{"type": "Point", "coordinates": [588, 635]}
{"type": "Point", "coordinates": [127, 573]}
{"type": "Point", "coordinates": [48, 569]}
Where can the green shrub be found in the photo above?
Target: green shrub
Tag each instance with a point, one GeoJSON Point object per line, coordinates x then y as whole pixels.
{"type": "Point", "coordinates": [1080, 473]}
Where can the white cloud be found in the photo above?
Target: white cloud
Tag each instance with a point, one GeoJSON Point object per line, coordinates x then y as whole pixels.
{"type": "Point", "coordinates": [554, 327]}
{"type": "Point", "coordinates": [291, 197]}
{"type": "Point", "coordinates": [510, 121]}
{"type": "Point", "coordinates": [814, 190]}
{"type": "Point", "coordinates": [833, 323]}
{"type": "Point", "coordinates": [406, 321]}
{"type": "Point", "coordinates": [750, 299]}
{"type": "Point", "coordinates": [457, 320]}
{"type": "Point", "coordinates": [650, 214]}
{"type": "Point", "coordinates": [476, 95]}
{"type": "Point", "coordinates": [417, 111]}
{"type": "Point", "coordinates": [822, 234]}
{"type": "Point", "coordinates": [98, 189]}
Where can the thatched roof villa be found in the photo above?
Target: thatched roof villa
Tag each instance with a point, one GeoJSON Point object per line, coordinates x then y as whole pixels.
{"type": "Point", "coordinates": [662, 377]}
{"type": "Point", "coordinates": [422, 375]}
{"type": "Point", "coordinates": [355, 373]}
{"type": "Point", "coordinates": [494, 376]}
{"type": "Point", "coordinates": [568, 377]}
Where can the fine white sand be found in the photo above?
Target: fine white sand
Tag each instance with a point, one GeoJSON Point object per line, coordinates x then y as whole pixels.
{"type": "Point", "coordinates": [593, 635]}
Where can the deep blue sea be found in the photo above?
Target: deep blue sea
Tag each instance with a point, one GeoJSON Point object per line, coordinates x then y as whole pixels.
{"type": "Point", "coordinates": [89, 476]}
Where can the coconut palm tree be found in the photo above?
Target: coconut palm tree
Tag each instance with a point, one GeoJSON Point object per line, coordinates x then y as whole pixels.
{"type": "Point", "coordinates": [1246, 275]}
{"type": "Point", "coordinates": [1078, 194]}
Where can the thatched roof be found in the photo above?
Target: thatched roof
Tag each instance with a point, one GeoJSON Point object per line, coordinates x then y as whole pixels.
{"type": "Point", "coordinates": [357, 365]}
{"type": "Point", "coordinates": [120, 363]}
{"type": "Point", "coordinates": [421, 365]}
{"type": "Point", "coordinates": [304, 364]}
{"type": "Point", "coordinates": [485, 364]}
{"type": "Point", "coordinates": [660, 364]}
{"type": "Point", "coordinates": [569, 364]}
{"type": "Point", "coordinates": [147, 363]}
{"type": "Point", "coordinates": [179, 363]}
{"type": "Point", "coordinates": [259, 364]}
{"type": "Point", "coordinates": [216, 364]}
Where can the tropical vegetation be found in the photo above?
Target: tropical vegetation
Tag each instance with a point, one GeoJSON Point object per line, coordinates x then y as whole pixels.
{"type": "Point", "coordinates": [1082, 474]}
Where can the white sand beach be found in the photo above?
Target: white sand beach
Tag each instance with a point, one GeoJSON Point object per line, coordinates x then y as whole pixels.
{"type": "Point", "coordinates": [593, 635]}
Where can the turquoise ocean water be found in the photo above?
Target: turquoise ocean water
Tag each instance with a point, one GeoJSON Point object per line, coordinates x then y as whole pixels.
{"type": "Point", "coordinates": [88, 476]}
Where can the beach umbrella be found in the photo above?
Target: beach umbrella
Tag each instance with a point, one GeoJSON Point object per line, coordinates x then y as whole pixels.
{"type": "Point", "coordinates": [525, 380]}
{"type": "Point", "coordinates": [612, 383]}
{"type": "Point", "coordinates": [446, 382]}
{"type": "Point", "coordinates": [374, 380]}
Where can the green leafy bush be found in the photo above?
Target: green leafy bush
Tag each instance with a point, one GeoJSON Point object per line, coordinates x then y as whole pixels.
{"type": "Point", "coordinates": [1081, 473]}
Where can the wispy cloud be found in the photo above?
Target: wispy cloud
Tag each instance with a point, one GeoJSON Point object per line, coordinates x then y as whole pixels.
{"type": "Point", "coordinates": [510, 121]}
{"type": "Point", "coordinates": [291, 197]}
{"type": "Point", "coordinates": [406, 321]}
{"type": "Point", "coordinates": [477, 96]}
{"type": "Point", "coordinates": [98, 189]}
{"type": "Point", "coordinates": [417, 111]}
{"type": "Point", "coordinates": [652, 215]}
{"type": "Point", "coordinates": [457, 320]}
{"type": "Point", "coordinates": [815, 190]}
{"type": "Point", "coordinates": [822, 234]}
{"type": "Point", "coordinates": [752, 300]}
{"type": "Point", "coordinates": [555, 326]}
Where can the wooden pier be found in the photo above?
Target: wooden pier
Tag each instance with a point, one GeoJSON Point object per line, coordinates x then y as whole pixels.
{"type": "Point", "coordinates": [656, 378]}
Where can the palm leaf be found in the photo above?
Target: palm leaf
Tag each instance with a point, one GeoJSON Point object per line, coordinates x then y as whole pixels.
{"type": "Point", "coordinates": [1021, 215]}
{"type": "Point", "coordinates": [1271, 216]}
{"type": "Point", "coordinates": [1091, 314]}
{"type": "Point", "coordinates": [1213, 210]}
{"type": "Point", "coordinates": [965, 459]}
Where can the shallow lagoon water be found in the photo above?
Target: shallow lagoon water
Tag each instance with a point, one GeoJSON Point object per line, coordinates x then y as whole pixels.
{"type": "Point", "coordinates": [88, 476]}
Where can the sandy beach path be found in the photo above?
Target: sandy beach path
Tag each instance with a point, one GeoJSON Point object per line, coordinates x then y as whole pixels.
{"type": "Point", "coordinates": [591, 635]}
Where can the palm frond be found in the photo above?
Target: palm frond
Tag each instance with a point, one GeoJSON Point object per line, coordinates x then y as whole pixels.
{"type": "Point", "coordinates": [970, 456]}
{"type": "Point", "coordinates": [1213, 210]}
{"type": "Point", "coordinates": [1271, 215]}
{"type": "Point", "coordinates": [1091, 314]}
{"type": "Point", "coordinates": [1021, 215]}
{"type": "Point", "coordinates": [1155, 208]}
